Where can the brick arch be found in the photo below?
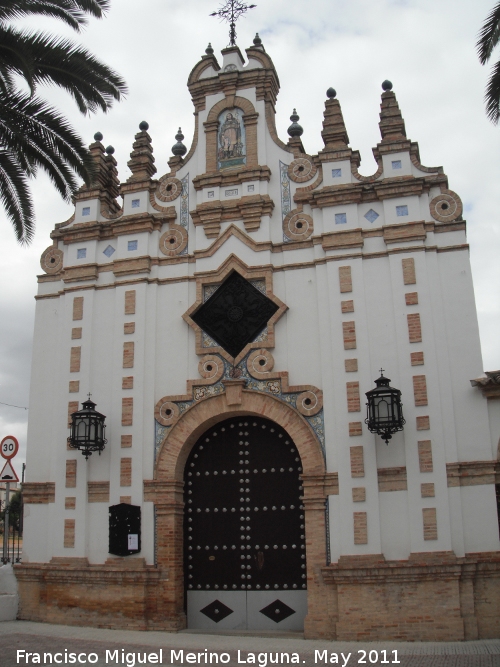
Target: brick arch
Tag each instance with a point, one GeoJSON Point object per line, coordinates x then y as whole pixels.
{"type": "Point", "coordinates": [229, 103]}
{"type": "Point", "coordinates": [166, 490]}
{"type": "Point", "coordinates": [250, 117]}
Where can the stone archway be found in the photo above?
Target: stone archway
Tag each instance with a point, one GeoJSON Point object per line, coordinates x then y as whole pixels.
{"type": "Point", "coordinates": [166, 491]}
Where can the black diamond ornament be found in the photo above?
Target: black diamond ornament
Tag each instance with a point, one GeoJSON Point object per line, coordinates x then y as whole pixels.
{"type": "Point", "coordinates": [235, 314]}
{"type": "Point", "coordinates": [277, 611]}
{"type": "Point", "coordinates": [216, 611]}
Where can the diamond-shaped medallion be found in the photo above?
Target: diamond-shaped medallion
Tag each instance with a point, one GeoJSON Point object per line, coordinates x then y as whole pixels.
{"type": "Point", "coordinates": [216, 611]}
{"type": "Point", "coordinates": [235, 314]}
{"type": "Point", "coordinates": [277, 611]}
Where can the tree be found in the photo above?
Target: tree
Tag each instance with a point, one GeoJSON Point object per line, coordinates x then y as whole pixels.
{"type": "Point", "coordinates": [34, 135]}
{"type": "Point", "coordinates": [15, 511]}
{"type": "Point", "coordinates": [488, 39]}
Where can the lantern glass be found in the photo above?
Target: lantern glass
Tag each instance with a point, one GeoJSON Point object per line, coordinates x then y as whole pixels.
{"type": "Point", "coordinates": [87, 430]}
{"type": "Point", "coordinates": [384, 409]}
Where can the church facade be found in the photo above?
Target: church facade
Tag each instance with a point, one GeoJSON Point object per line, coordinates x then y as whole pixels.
{"type": "Point", "coordinates": [228, 318]}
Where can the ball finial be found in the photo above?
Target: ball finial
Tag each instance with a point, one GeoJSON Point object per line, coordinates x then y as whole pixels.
{"type": "Point", "coordinates": [209, 50]}
{"type": "Point", "coordinates": [387, 85]}
{"type": "Point", "coordinates": [179, 148]}
{"type": "Point", "coordinates": [110, 150]}
{"type": "Point", "coordinates": [295, 130]}
{"type": "Point", "coordinates": [257, 40]}
{"type": "Point", "coordinates": [331, 93]}
{"type": "Point", "coordinates": [98, 136]}
{"type": "Point", "coordinates": [143, 126]}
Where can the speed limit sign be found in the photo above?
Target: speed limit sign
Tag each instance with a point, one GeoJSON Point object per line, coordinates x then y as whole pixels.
{"type": "Point", "coordinates": [9, 447]}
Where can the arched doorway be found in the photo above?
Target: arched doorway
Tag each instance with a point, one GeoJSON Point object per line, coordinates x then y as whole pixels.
{"type": "Point", "coordinates": [244, 528]}
{"type": "Point", "coordinates": [166, 490]}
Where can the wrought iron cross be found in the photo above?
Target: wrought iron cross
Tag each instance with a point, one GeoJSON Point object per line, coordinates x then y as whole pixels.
{"type": "Point", "coordinates": [231, 12]}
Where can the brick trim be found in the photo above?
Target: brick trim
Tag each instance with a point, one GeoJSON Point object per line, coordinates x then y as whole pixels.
{"type": "Point", "coordinates": [417, 358]}
{"type": "Point", "coordinates": [357, 461]}
{"type": "Point", "coordinates": [345, 279]}
{"type": "Point", "coordinates": [75, 358]}
{"type": "Point", "coordinates": [98, 492]}
{"type": "Point", "coordinates": [420, 390]}
{"type": "Point", "coordinates": [409, 276]}
{"type": "Point", "coordinates": [425, 456]}
{"type": "Point", "coordinates": [392, 479]}
{"type": "Point", "coordinates": [429, 520]}
{"type": "Point", "coordinates": [349, 335]}
{"type": "Point", "coordinates": [360, 525]}
{"type": "Point", "coordinates": [130, 302]}
{"type": "Point", "coordinates": [353, 398]}
{"type": "Point", "coordinates": [128, 354]}
{"type": "Point", "coordinates": [472, 473]}
{"type": "Point", "coordinates": [414, 328]}
{"type": "Point", "coordinates": [125, 471]}
{"type": "Point", "coordinates": [69, 533]}
{"type": "Point", "coordinates": [78, 308]}
{"type": "Point", "coordinates": [39, 493]}
{"type": "Point", "coordinates": [127, 411]}
{"type": "Point", "coordinates": [71, 473]}
{"type": "Point", "coordinates": [351, 365]}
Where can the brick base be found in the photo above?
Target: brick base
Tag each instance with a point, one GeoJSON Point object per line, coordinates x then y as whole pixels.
{"type": "Point", "coordinates": [430, 597]}
{"type": "Point", "coordinates": [119, 594]}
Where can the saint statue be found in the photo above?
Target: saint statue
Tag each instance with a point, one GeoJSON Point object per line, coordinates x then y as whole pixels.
{"type": "Point", "coordinates": [230, 140]}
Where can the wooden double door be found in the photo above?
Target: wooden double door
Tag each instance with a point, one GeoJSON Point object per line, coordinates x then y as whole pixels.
{"type": "Point", "coordinates": [244, 529]}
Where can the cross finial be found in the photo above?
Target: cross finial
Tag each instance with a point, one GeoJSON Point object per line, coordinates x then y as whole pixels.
{"type": "Point", "coordinates": [382, 371]}
{"type": "Point", "coordinates": [231, 12]}
{"type": "Point", "coordinates": [89, 395]}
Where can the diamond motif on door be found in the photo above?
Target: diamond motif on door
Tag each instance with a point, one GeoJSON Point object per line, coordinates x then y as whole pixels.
{"type": "Point", "coordinates": [217, 611]}
{"type": "Point", "coordinates": [277, 611]}
{"type": "Point", "coordinates": [244, 528]}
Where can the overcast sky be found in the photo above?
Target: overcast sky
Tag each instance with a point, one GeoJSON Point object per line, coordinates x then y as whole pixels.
{"type": "Point", "coordinates": [426, 48]}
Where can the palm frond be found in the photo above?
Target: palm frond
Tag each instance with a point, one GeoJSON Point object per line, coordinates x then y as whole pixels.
{"type": "Point", "coordinates": [489, 35]}
{"type": "Point", "coordinates": [33, 135]}
{"type": "Point", "coordinates": [91, 83]}
{"type": "Point", "coordinates": [44, 59]}
{"type": "Point", "coordinates": [43, 138]}
{"type": "Point", "coordinates": [6, 80]}
{"type": "Point", "coordinates": [492, 95]}
{"type": "Point", "coordinates": [15, 197]}
{"type": "Point", "coordinates": [72, 12]}
{"type": "Point", "coordinates": [15, 54]}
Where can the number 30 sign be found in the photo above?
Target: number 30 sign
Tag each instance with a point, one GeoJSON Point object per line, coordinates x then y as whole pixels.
{"type": "Point", "coordinates": [9, 447]}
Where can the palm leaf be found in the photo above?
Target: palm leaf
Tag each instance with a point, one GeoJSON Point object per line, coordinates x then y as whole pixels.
{"type": "Point", "coordinates": [492, 95]}
{"type": "Point", "coordinates": [43, 138]}
{"type": "Point", "coordinates": [489, 35]}
{"type": "Point", "coordinates": [72, 12]}
{"type": "Point", "coordinates": [15, 55]}
{"type": "Point", "coordinates": [92, 84]}
{"type": "Point", "coordinates": [15, 197]}
{"type": "Point", "coordinates": [33, 135]}
{"type": "Point", "coordinates": [43, 59]}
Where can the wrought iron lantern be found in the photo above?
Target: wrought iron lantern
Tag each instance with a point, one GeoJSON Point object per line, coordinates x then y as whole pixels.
{"type": "Point", "coordinates": [384, 409]}
{"type": "Point", "coordinates": [87, 429]}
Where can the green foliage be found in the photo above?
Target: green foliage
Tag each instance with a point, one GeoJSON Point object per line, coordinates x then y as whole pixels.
{"type": "Point", "coordinates": [15, 511]}
{"type": "Point", "coordinates": [489, 37]}
{"type": "Point", "coordinates": [33, 135]}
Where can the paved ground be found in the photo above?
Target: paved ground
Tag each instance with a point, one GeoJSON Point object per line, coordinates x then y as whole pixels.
{"type": "Point", "coordinates": [131, 649]}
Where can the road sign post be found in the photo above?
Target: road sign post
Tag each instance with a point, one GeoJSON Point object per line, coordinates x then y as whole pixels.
{"type": "Point", "coordinates": [8, 449]}
{"type": "Point", "coordinates": [5, 555]}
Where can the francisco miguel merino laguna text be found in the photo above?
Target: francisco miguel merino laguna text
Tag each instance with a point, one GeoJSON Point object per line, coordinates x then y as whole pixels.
{"type": "Point", "coordinates": [132, 658]}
